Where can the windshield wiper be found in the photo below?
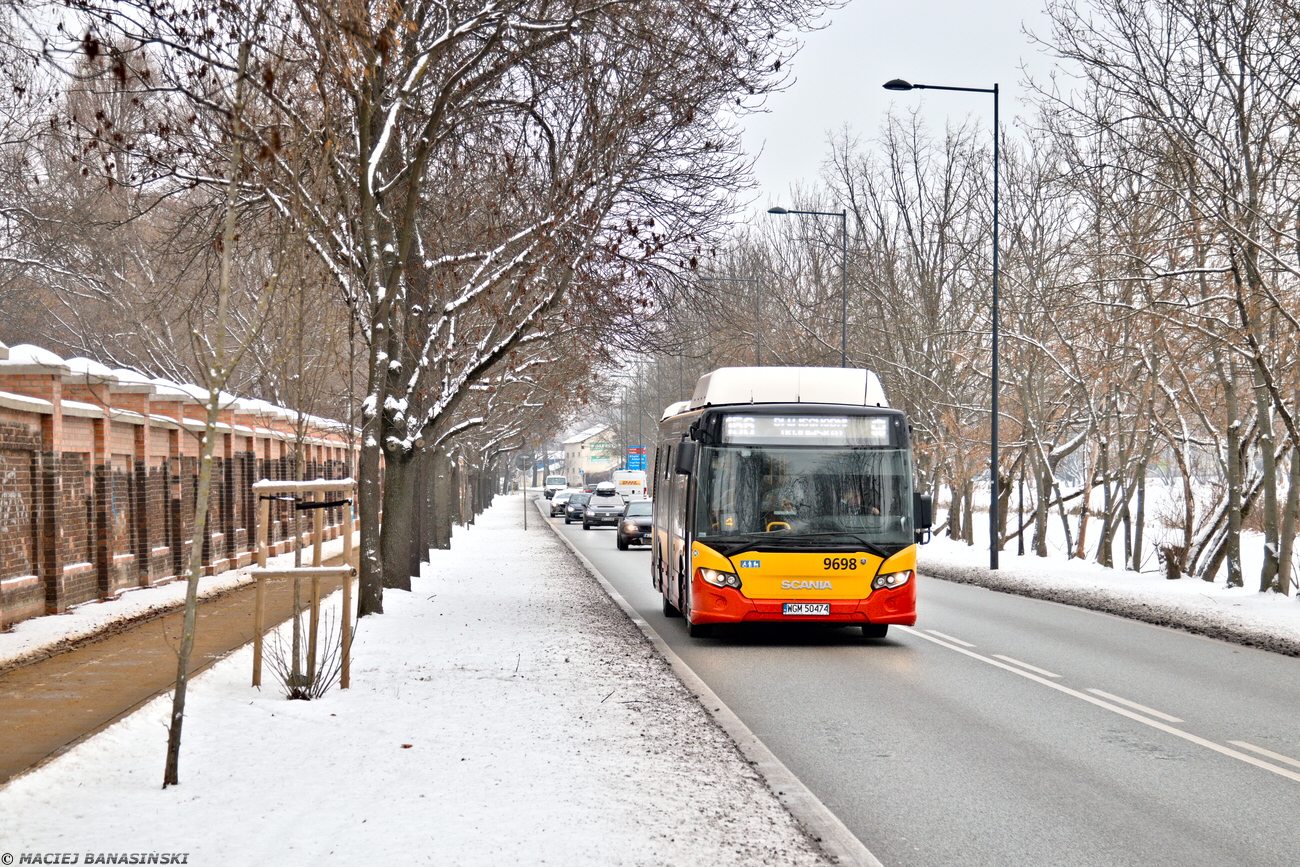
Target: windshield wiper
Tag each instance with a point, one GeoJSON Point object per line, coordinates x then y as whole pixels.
{"type": "Point", "coordinates": [730, 546]}
{"type": "Point", "coordinates": [867, 545]}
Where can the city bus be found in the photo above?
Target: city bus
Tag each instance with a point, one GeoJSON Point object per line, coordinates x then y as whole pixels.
{"type": "Point", "coordinates": [784, 494]}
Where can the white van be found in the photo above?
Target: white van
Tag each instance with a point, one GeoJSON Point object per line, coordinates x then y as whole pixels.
{"type": "Point", "coordinates": [553, 484]}
{"type": "Point", "coordinates": [631, 484]}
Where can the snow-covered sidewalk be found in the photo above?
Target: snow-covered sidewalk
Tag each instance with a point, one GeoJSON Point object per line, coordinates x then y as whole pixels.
{"type": "Point", "coordinates": [504, 712]}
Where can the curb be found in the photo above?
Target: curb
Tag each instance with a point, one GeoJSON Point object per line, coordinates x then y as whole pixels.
{"type": "Point", "coordinates": [1094, 599]}
{"type": "Point", "coordinates": [825, 828]}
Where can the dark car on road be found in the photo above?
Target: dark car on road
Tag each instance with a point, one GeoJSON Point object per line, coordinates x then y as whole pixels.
{"type": "Point", "coordinates": [574, 508]}
{"type": "Point", "coordinates": [604, 507]}
{"type": "Point", "coordinates": [634, 523]}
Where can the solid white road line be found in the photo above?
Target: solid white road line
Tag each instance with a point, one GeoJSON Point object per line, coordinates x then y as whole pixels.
{"type": "Point", "coordinates": [949, 638]}
{"type": "Point", "coordinates": [1146, 710]}
{"type": "Point", "coordinates": [1113, 708]}
{"type": "Point", "coordinates": [1263, 752]}
{"type": "Point", "coordinates": [1044, 672]}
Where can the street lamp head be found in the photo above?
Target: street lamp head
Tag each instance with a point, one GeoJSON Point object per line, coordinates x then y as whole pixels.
{"type": "Point", "coordinates": [777, 210]}
{"type": "Point", "coordinates": [898, 84]}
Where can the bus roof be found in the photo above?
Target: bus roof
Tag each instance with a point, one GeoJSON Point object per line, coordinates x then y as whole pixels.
{"type": "Point", "coordinates": [846, 386]}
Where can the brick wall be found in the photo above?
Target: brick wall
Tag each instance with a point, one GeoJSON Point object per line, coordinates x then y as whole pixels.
{"type": "Point", "coordinates": [98, 480]}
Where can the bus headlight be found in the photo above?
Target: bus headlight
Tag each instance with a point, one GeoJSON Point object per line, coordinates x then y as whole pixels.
{"type": "Point", "coordinates": [719, 579]}
{"type": "Point", "coordinates": [891, 581]}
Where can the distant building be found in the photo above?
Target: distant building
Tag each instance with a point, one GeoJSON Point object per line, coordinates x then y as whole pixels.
{"type": "Point", "coordinates": [590, 453]}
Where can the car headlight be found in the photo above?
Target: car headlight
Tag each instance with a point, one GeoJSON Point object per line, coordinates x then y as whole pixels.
{"type": "Point", "coordinates": [719, 579]}
{"type": "Point", "coordinates": [631, 528]}
{"type": "Point", "coordinates": [892, 580]}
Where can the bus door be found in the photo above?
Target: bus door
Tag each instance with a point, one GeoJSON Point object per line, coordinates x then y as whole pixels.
{"type": "Point", "coordinates": [679, 561]}
{"type": "Point", "coordinates": [664, 508]}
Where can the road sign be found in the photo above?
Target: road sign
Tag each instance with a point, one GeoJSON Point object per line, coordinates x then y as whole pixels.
{"type": "Point", "coordinates": [636, 458]}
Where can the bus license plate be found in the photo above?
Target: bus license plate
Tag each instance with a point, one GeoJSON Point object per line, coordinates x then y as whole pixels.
{"type": "Point", "coordinates": [804, 608]}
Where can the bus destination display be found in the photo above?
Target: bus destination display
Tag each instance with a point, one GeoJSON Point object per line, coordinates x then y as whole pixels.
{"type": "Point", "coordinates": [807, 430]}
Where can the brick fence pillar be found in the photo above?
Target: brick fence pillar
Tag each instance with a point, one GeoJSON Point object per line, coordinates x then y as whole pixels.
{"type": "Point", "coordinates": [51, 551]}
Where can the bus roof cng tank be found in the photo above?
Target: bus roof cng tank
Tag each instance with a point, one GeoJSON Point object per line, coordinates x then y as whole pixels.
{"type": "Point", "coordinates": [676, 409]}
{"type": "Point", "coordinates": [848, 386]}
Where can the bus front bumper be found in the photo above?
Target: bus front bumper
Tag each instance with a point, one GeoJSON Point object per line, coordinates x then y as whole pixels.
{"type": "Point", "coordinates": [724, 605]}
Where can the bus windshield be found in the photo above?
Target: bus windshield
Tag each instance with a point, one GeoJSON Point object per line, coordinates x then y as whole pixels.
{"type": "Point", "coordinates": [756, 497]}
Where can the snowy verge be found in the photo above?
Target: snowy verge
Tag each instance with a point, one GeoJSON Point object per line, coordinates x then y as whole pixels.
{"type": "Point", "coordinates": [40, 637]}
{"type": "Point", "coordinates": [504, 711]}
{"type": "Point", "coordinates": [1240, 615]}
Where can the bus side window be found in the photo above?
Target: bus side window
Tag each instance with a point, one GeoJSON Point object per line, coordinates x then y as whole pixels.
{"type": "Point", "coordinates": [680, 506]}
{"type": "Point", "coordinates": [669, 505]}
{"type": "Point", "coordinates": [666, 489]}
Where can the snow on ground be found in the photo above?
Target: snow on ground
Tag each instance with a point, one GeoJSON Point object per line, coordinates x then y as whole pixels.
{"type": "Point", "coordinates": [1239, 614]}
{"type": "Point", "coordinates": [39, 636]}
{"type": "Point", "coordinates": [503, 712]}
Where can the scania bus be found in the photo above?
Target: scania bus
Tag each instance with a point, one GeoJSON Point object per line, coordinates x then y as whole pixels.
{"type": "Point", "coordinates": [785, 494]}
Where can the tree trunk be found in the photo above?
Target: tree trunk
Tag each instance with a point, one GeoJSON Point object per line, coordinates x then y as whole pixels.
{"type": "Point", "coordinates": [1004, 507]}
{"type": "Point", "coordinates": [457, 512]}
{"type": "Point", "coordinates": [1268, 575]}
{"type": "Point", "coordinates": [1289, 520]}
{"type": "Point", "coordinates": [1062, 509]}
{"type": "Point", "coordinates": [1232, 549]}
{"type": "Point", "coordinates": [441, 502]}
{"type": "Point", "coordinates": [1105, 546]}
{"type": "Point", "coordinates": [1041, 507]}
{"type": "Point", "coordinates": [1189, 509]}
{"type": "Point", "coordinates": [1126, 521]}
{"type": "Point", "coordinates": [1079, 551]}
{"type": "Point", "coordinates": [399, 520]}
{"type": "Point", "coordinates": [370, 493]}
{"type": "Point", "coordinates": [1139, 519]}
{"type": "Point", "coordinates": [1020, 515]}
{"type": "Point", "coordinates": [968, 509]}
{"type": "Point", "coordinates": [954, 512]}
{"type": "Point", "coordinates": [419, 520]}
{"type": "Point", "coordinates": [171, 774]}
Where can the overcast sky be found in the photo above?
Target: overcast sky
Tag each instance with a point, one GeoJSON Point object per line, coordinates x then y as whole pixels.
{"type": "Point", "coordinates": [839, 73]}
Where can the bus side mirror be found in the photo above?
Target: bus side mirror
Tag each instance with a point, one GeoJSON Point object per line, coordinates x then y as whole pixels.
{"type": "Point", "coordinates": [922, 516]}
{"type": "Point", "coordinates": [685, 458]}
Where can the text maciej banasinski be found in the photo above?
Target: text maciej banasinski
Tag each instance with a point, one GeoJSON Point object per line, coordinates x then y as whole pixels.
{"type": "Point", "coordinates": [101, 858]}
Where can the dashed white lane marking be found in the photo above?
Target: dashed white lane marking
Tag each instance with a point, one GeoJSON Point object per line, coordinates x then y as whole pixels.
{"type": "Point", "coordinates": [949, 638]}
{"type": "Point", "coordinates": [1113, 708]}
{"type": "Point", "coordinates": [1146, 710]}
{"type": "Point", "coordinates": [1044, 672]}
{"type": "Point", "coordinates": [1263, 752]}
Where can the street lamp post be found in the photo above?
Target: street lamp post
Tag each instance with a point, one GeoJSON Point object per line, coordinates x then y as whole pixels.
{"type": "Point", "coordinates": [900, 84]}
{"type": "Point", "coordinates": [844, 271]}
{"type": "Point", "coordinates": [758, 311]}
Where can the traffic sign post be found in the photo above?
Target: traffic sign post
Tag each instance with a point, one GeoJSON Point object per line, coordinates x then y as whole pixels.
{"type": "Point", "coordinates": [636, 458]}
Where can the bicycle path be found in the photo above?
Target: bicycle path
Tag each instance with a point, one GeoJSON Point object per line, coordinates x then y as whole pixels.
{"type": "Point", "coordinates": [49, 705]}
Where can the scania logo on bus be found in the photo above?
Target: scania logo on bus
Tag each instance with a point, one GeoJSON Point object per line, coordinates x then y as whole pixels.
{"type": "Point", "coordinates": [806, 585]}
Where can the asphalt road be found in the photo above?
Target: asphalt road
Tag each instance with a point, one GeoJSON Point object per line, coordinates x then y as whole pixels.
{"type": "Point", "coordinates": [1010, 731]}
